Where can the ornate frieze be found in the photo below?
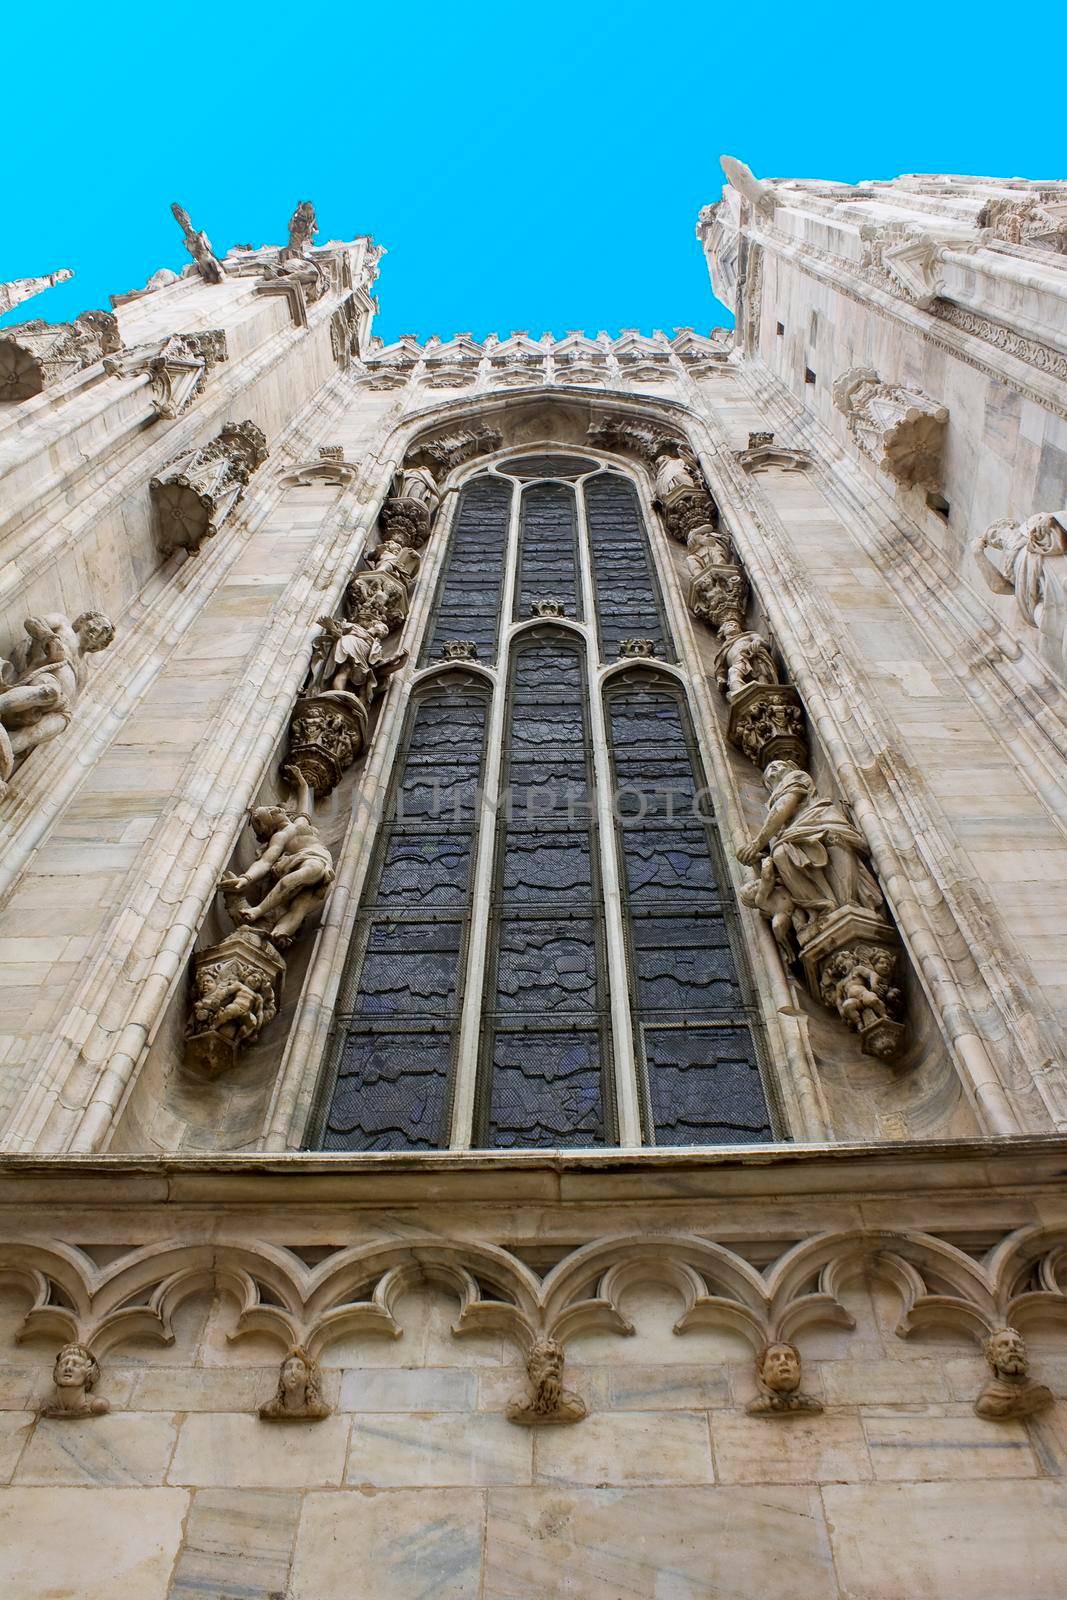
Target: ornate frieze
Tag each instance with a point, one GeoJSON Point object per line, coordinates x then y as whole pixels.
{"type": "Point", "coordinates": [36, 354]}
{"type": "Point", "coordinates": [40, 684]}
{"type": "Point", "coordinates": [1035, 220]}
{"type": "Point", "coordinates": [901, 429]}
{"type": "Point", "coordinates": [177, 367]}
{"type": "Point", "coordinates": [443, 454]}
{"type": "Point", "coordinates": [197, 491]}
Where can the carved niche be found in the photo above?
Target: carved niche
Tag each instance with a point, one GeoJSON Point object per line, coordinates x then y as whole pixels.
{"type": "Point", "coordinates": [197, 491]}
{"type": "Point", "coordinates": [36, 354]}
{"type": "Point", "coordinates": [901, 429]}
{"type": "Point", "coordinates": [177, 367]}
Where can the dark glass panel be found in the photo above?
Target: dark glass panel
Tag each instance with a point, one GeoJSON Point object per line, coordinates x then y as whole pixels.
{"type": "Point", "coordinates": [548, 549]}
{"type": "Point", "coordinates": [400, 1000]}
{"type": "Point", "coordinates": [693, 1022]}
{"type": "Point", "coordinates": [468, 603]}
{"type": "Point", "coordinates": [548, 467]}
{"type": "Point", "coordinates": [627, 593]}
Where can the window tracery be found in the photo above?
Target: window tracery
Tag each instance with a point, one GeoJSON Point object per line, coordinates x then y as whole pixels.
{"type": "Point", "coordinates": [546, 953]}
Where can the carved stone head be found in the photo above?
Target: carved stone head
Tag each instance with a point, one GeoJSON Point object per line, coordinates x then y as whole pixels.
{"type": "Point", "coordinates": [775, 771]}
{"type": "Point", "coordinates": [544, 1364]}
{"type": "Point", "coordinates": [778, 1367]}
{"type": "Point", "coordinates": [266, 820]}
{"type": "Point", "coordinates": [76, 1368]}
{"type": "Point", "coordinates": [1006, 1353]}
{"type": "Point", "coordinates": [94, 630]}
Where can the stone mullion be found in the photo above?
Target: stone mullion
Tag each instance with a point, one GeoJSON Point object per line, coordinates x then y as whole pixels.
{"type": "Point", "coordinates": [468, 1047]}
{"type": "Point", "coordinates": [82, 1079]}
{"type": "Point", "coordinates": [804, 627]}
{"type": "Point", "coordinates": [624, 1051]}
{"type": "Point", "coordinates": [796, 1082]}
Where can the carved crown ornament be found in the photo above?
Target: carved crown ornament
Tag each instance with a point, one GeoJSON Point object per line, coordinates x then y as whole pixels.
{"type": "Point", "coordinates": [356, 1291]}
{"type": "Point", "coordinates": [901, 429]}
{"type": "Point", "coordinates": [35, 355]}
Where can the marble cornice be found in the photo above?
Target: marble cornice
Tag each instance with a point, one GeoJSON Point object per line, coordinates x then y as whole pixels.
{"type": "Point", "coordinates": [982, 1170]}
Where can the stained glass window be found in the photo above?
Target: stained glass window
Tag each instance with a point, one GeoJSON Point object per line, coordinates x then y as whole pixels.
{"type": "Point", "coordinates": [547, 950]}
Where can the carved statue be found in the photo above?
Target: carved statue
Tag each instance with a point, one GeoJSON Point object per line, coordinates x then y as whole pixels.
{"type": "Point", "coordinates": [768, 895]}
{"type": "Point", "coordinates": [16, 290]}
{"type": "Point", "coordinates": [707, 547]}
{"type": "Point", "coordinates": [753, 189]}
{"type": "Point", "coordinates": [294, 855]}
{"type": "Point", "coordinates": [819, 856]}
{"type": "Point", "coordinates": [548, 1401]}
{"type": "Point", "coordinates": [199, 247]}
{"type": "Point", "coordinates": [75, 1375]}
{"type": "Point", "coordinates": [349, 651]}
{"type": "Point", "coordinates": [297, 1398]}
{"type": "Point", "coordinates": [1013, 558]}
{"type": "Point", "coordinates": [303, 226]}
{"type": "Point", "coordinates": [234, 1000]}
{"type": "Point", "coordinates": [778, 1376]}
{"type": "Point", "coordinates": [861, 988]}
{"type": "Point", "coordinates": [419, 484]}
{"type": "Point", "coordinates": [41, 683]}
{"type": "Point", "coordinates": [1010, 1392]}
{"type": "Point", "coordinates": [742, 659]}
{"type": "Point", "coordinates": [673, 473]}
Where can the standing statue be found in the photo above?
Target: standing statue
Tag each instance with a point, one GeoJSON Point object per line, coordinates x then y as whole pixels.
{"type": "Point", "coordinates": [294, 855]}
{"type": "Point", "coordinates": [303, 226]}
{"type": "Point", "coordinates": [548, 1401]}
{"type": "Point", "coordinates": [42, 681]}
{"type": "Point", "coordinates": [199, 247]}
{"type": "Point", "coordinates": [778, 1376]}
{"type": "Point", "coordinates": [1013, 558]}
{"type": "Point", "coordinates": [743, 659]}
{"type": "Point", "coordinates": [1010, 1392]}
{"type": "Point", "coordinates": [673, 473]}
{"type": "Point", "coordinates": [707, 547]}
{"type": "Point", "coordinates": [350, 653]}
{"type": "Point", "coordinates": [819, 855]}
{"type": "Point", "coordinates": [297, 1397]}
{"type": "Point", "coordinates": [418, 483]}
{"type": "Point", "coordinates": [75, 1375]}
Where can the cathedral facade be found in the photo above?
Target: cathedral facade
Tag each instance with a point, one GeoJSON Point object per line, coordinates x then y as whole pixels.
{"type": "Point", "coordinates": [532, 1005]}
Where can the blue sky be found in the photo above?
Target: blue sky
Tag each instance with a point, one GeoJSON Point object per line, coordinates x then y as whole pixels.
{"type": "Point", "coordinates": [536, 166]}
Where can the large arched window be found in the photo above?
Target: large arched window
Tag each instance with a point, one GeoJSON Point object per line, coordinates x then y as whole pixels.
{"type": "Point", "coordinates": [547, 951]}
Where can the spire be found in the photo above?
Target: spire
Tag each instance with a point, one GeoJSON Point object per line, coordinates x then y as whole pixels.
{"type": "Point", "coordinates": [12, 294]}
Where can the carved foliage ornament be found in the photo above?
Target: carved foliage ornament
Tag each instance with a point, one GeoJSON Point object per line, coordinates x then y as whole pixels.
{"type": "Point", "coordinates": [901, 429]}
{"type": "Point", "coordinates": [197, 491]}
{"type": "Point", "coordinates": [34, 355]}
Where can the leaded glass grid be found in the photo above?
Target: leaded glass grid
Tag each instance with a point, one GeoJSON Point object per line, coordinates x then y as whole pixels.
{"type": "Point", "coordinates": [547, 952]}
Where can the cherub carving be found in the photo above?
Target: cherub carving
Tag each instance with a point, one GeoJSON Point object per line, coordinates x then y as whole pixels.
{"type": "Point", "coordinates": [778, 1376]}
{"type": "Point", "coordinates": [235, 1004]}
{"type": "Point", "coordinates": [297, 1397]}
{"type": "Point", "coordinates": [42, 681]}
{"type": "Point", "coordinates": [768, 895]}
{"type": "Point", "coordinates": [548, 1401]}
{"type": "Point", "coordinates": [1010, 1392]}
{"type": "Point", "coordinates": [294, 855]}
{"type": "Point", "coordinates": [75, 1375]}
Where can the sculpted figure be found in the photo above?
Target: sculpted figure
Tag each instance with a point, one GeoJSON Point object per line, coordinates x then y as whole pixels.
{"type": "Point", "coordinates": [819, 855]}
{"type": "Point", "coordinates": [1010, 1392]}
{"type": "Point", "coordinates": [297, 1397]}
{"type": "Point", "coordinates": [769, 896]}
{"type": "Point", "coordinates": [43, 680]}
{"type": "Point", "coordinates": [418, 483]}
{"type": "Point", "coordinates": [742, 659]}
{"type": "Point", "coordinates": [707, 548]}
{"type": "Point", "coordinates": [199, 247]}
{"type": "Point", "coordinates": [1013, 557]}
{"type": "Point", "coordinates": [75, 1375]}
{"type": "Point", "coordinates": [778, 1376]}
{"type": "Point", "coordinates": [237, 1004]}
{"type": "Point", "coordinates": [548, 1401]}
{"type": "Point", "coordinates": [350, 651]}
{"type": "Point", "coordinates": [396, 559]}
{"type": "Point", "coordinates": [294, 855]}
{"type": "Point", "coordinates": [673, 472]}
{"type": "Point", "coordinates": [303, 226]}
